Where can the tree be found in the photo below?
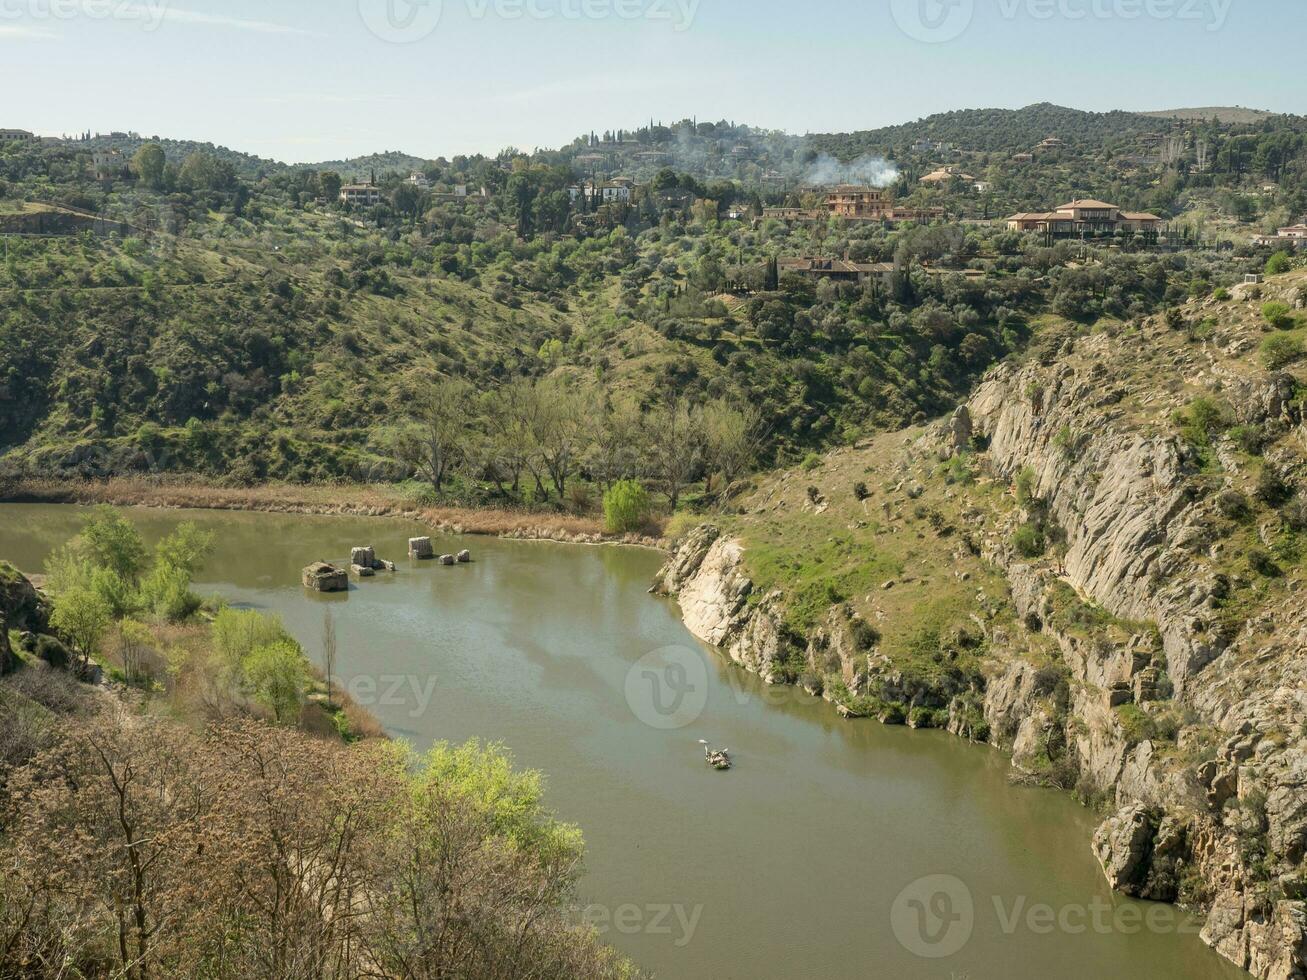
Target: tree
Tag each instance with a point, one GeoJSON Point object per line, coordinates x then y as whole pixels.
{"type": "Point", "coordinates": [331, 183]}
{"type": "Point", "coordinates": [626, 507]}
{"type": "Point", "coordinates": [673, 446]}
{"type": "Point", "coordinates": [113, 543]}
{"type": "Point", "coordinates": [733, 437]}
{"type": "Point", "coordinates": [278, 677]}
{"type": "Point", "coordinates": [560, 427]}
{"type": "Point", "coordinates": [328, 648]}
{"type": "Point", "coordinates": [150, 164]}
{"type": "Point", "coordinates": [437, 439]}
{"type": "Point", "coordinates": [81, 616]}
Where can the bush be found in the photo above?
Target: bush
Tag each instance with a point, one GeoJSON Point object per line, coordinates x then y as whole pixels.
{"type": "Point", "coordinates": [278, 677]}
{"type": "Point", "coordinates": [1028, 541]}
{"type": "Point", "coordinates": [1026, 480]}
{"type": "Point", "coordinates": [626, 507]}
{"type": "Point", "coordinates": [1271, 488]}
{"type": "Point", "coordinates": [1263, 564]}
{"type": "Point", "coordinates": [1280, 351]}
{"type": "Point", "coordinates": [1278, 315]}
{"type": "Point", "coordinates": [1278, 264]}
{"type": "Point", "coordinates": [810, 462]}
{"type": "Point", "coordinates": [1234, 505]}
{"type": "Point", "coordinates": [860, 490]}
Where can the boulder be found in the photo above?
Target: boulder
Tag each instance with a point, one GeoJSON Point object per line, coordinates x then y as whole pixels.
{"type": "Point", "coordinates": [20, 603]}
{"type": "Point", "coordinates": [1123, 846]}
{"type": "Point", "coordinates": [421, 549]}
{"type": "Point", "coordinates": [448, 560]}
{"type": "Point", "coordinates": [464, 557]}
{"type": "Point", "coordinates": [362, 571]}
{"type": "Point", "coordinates": [323, 576]}
{"type": "Point", "coordinates": [365, 557]}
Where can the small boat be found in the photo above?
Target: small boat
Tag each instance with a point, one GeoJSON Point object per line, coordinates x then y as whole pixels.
{"type": "Point", "coordinates": [719, 759]}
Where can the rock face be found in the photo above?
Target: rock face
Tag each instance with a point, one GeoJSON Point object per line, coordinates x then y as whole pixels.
{"type": "Point", "coordinates": [324, 577]}
{"type": "Point", "coordinates": [1131, 606]}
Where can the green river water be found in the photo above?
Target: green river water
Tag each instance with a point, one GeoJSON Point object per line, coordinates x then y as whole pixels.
{"type": "Point", "coordinates": [832, 849]}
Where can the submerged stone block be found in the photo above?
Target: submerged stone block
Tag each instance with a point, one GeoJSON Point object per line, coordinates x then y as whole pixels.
{"type": "Point", "coordinates": [322, 576]}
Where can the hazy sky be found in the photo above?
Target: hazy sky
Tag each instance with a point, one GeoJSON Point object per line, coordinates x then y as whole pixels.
{"type": "Point", "coordinates": [299, 80]}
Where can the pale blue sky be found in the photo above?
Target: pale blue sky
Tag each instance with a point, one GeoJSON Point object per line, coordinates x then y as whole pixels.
{"type": "Point", "coordinates": [299, 80]}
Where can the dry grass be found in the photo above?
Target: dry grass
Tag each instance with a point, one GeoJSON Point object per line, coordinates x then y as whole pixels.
{"type": "Point", "coordinates": [344, 499]}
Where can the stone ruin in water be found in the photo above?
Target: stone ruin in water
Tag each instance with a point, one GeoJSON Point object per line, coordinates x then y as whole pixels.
{"type": "Point", "coordinates": [323, 576]}
{"type": "Point", "coordinates": [364, 563]}
{"type": "Point", "coordinates": [423, 550]}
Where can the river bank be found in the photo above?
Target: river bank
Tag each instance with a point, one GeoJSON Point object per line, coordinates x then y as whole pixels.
{"type": "Point", "coordinates": [349, 500]}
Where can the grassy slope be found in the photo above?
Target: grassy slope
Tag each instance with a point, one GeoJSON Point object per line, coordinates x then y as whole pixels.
{"type": "Point", "coordinates": [921, 517]}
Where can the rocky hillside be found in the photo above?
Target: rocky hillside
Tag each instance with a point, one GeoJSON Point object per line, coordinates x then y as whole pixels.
{"type": "Point", "coordinates": [1098, 565]}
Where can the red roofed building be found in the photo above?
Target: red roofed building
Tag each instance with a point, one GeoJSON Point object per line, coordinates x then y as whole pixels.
{"type": "Point", "coordinates": [1087, 217]}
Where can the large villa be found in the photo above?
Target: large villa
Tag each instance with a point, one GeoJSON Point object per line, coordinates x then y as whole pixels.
{"type": "Point", "coordinates": [1086, 218]}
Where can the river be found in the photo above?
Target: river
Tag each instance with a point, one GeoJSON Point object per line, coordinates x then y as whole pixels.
{"type": "Point", "coordinates": [832, 849]}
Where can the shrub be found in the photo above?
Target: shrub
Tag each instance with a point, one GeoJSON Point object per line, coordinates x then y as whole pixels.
{"type": "Point", "coordinates": [810, 462]}
{"type": "Point", "coordinates": [1028, 541]}
{"type": "Point", "coordinates": [1263, 564]}
{"type": "Point", "coordinates": [1278, 264]}
{"type": "Point", "coordinates": [860, 490]}
{"type": "Point", "coordinates": [1271, 488]}
{"type": "Point", "coordinates": [1278, 315]}
{"type": "Point", "coordinates": [1026, 487]}
{"type": "Point", "coordinates": [1221, 295]}
{"type": "Point", "coordinates": [1281, 350]}
{"type": "Point", "coordinates": [626, 507]}
{"type": "Point", "coordinates": [1234, 505]}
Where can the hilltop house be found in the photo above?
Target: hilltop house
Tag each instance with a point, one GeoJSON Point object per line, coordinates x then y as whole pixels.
{"type": "Point", "coordinates": [854, 202]}
{"type": "Point", "coordinates": [1295, 236]}
{"type": "Point", "coordinates": [361, 195]}
{"type": "Point", "coordinates": [1085, 218]}
{"type": "Point", "coordinates": [419, 180]}
{"type": "Point", "coordinates": [602, 191]}
{"type": "Point", "coordinates": [946, 174]}
{"type": "Point", "coordinates": [108, 163]}
{"type": "Point", "coordinates": [16, 136]}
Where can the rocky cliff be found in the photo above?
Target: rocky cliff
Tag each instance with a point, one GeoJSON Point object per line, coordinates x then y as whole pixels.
{"type": "Point", "coordinates": [1106, 546]}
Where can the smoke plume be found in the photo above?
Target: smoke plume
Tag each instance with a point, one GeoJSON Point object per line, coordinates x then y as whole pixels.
{"type": "Point", "coordinates": [868, 169]}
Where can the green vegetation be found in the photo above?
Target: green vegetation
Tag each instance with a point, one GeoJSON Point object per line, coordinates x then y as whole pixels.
{"type": "Point", "coordinates": [626, 507]}
{"type": "Point", "coordinates": [1281, 350]}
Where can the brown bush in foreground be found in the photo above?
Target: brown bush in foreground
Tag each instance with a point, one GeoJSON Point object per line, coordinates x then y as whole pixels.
{"type": "Point", "coordinates": [134, 848]}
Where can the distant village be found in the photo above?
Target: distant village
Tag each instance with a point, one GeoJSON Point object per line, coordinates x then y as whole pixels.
{"type": "Point", "coordinates": [618, 171]}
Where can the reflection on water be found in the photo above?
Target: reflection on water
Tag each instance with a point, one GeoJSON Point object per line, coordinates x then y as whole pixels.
{"type": "Point", "coordinates": [787, 866]}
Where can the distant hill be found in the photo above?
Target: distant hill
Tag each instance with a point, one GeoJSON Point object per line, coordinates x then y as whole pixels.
{"type": "Point", "coordinates": [993, 130]}
{"type": "Point", "coordinates": [390, 160]}
{"type": "Point", "coordinates": [1229, 115]}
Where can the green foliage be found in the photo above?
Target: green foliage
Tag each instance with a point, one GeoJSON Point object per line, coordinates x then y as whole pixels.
{"type": "Point", "coordinates": [82, 616]}
{"type": "Point", "coordinates": [113, 543]}
{"type": "Point", "coordinates": [510, 801]}
{"type": "Point", "coordinates": [277, 677]}
{"type": "Point", "coordinates": [627, 507]}
{"type": "Point", "coordinates": [1028, 541]}
{"type": "Point", "coordinates": [1281, 350]}
{"type": "Point", "coordinates": [1278, 315]}
{"type": "Point", "coordinates": [1279, 263]}
{"type": "Point", "coordinates": [1203, 421]}
{"type": "Point", "coordinates": [1026, 482]}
